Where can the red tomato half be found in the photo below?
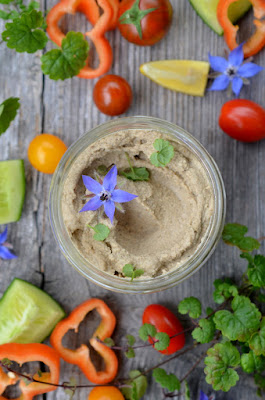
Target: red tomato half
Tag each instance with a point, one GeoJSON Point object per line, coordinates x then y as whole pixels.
{"type": "Point", "coordinates": [165, 321]}
{"type": "Point", "coordinates": [154, 25]}
{"type": "Point", "coordinates": [243, 120]}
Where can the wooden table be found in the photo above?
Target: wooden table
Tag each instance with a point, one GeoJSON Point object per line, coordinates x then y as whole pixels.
{"type": "Point", "coordinates": [67, 110]}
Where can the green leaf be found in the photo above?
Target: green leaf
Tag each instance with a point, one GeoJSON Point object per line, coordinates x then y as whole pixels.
{"type": "Point", "coordinates": [187, 391]}
{"type": "Point", "coordinates": [24, 35]}
{"type": "Point", "coordinates": [219, 359]}
{"type": "Point", "coordinates": [256, 269]}
{"type": "Point", "coordinates": [257, 340]}
{"type": "Point", "coordinates": [9, 15]}
{"type": "Point", "coordinates": [131, 272]}
{"type": "Point", "coordinates": [102, 232]}
{"type": "Point", "coordinates": [164, 154]}
{"type": "Point", "coordinates": [136, 174]}
{"type": "Point", "coordinates": [147, 330]}
{"type": "Point", "coordinates": [251, 363]}
{"type": "Point", "coordinates": [109, 342]}
{"type": "Point", "coordinates": [6, 1]}
{"type": "Point", "coordinates": [242, 323]}
{"type": "Point", "coordinates": [224, 290]}
{"type": "Point", "coordinates": [130, 340]}
{"type": "Point", "coordinates": [261, 298]}
{"type": "Point", "coordinates": [163, 341]}
{"type": "Point", "coordinates": [130, 353]}
{"type": "Point", "coordinates": [205, 332]}
{"type": "Point", "coordinates": [8, 112]}
{"type": "Point", "coordinates": [139, 386]}
{"type": "Point", "coordinates": [167, 381]}
{"type": "Point", "coordinates": [234, 234]}
{"type": "Point", "coordinates": [66, 62]}
{"type": "Point", "coordinates": [190, 305]}
{"type": "Point", "coordinates": [260, 382]}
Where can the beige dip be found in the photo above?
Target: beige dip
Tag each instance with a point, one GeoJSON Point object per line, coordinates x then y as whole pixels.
{"type": "Point", "coordinates": [161, 228]}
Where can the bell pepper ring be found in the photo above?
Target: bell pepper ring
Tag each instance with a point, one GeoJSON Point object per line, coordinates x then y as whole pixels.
{"type": "Point", "coordinates": [81, 356]}
{"type": "Point", "coordinates": [257, 41]}
{"type": "Point", "coordinates": [23, 353]}
{"type": "Point", "coordinates": [96, 35]}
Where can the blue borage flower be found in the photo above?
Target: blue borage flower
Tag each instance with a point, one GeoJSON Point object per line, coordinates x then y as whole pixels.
{"type": "Point", "coordinates": [233, 70]}
{"type": "Point", "coordinates": [106, 193]}
{"type": "Point", "coordinates": [5, 253]}
{"type": "Point", "coordinates": [203, 396]}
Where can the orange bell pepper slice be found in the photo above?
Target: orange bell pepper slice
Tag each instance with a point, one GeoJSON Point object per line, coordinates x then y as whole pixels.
{"type": "Point", "coordinates": [257, 41]}
{"type": "Point", "coordinates": [22, 353]}
{"type": "Point", "coordinates": [81, 356]}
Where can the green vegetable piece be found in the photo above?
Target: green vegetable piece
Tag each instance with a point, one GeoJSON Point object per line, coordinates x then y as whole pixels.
{"type": "Point", "coordinates": [24, 33]}
{"type": "Point", "coordinates": [130, 340]}
{"type": "Point", "coordinates": [257, 341]}
{"type": "Point", "coordinates": [102, 232]}
{"type": "Point", "coordinates": [12, 190]}
{"type": "Point", "coordinates": [190, 305]}
{"type": "Point", "coordinates": [131, 272]}
{"type": "Point", "coordinates": [251, 363]}
{"type": "Point", "coordinates": [205, 332]}
{"type": "Point", "coordinates": [109, 342]}
{"type": "Point", "coordinates": [27, 313]}
{"type": "Point", "coordinates": [242, 323]}
{"type": "Point", "coordinates": [66, 62]}
{"type": "Point", "coordinates": [8, 112]}
{"type": "Point", "coordinates": [130, 353]}
{"type": "Point", "coordinates": [167, 381]}
{"type": "Point", "coordinates": [224, 290]}
{"type": "Point", "coordinates": [256, 269]}
{"type": "Point", "coordinates": [219, 359]}
{"type": "Point", "coordinates": [164, 153]}
{"type": "Point", "coordinates": [163, 341]}
{"type": "Point", "coordinates": [139, 386]}
{"type": "Point", "coordinates": [234, 234]}
{"type": "Point", "coordinates": [136, 174]}
{"type": "Point", "coordinates": [187, 391]}
{"type": "Point", "coordinates": [147, 330]}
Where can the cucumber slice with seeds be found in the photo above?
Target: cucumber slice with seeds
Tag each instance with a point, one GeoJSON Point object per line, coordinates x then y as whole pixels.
{"type": "Point", "coordinates": [12, 190]}
{"type": "Point", "coordinates": [27, 313]}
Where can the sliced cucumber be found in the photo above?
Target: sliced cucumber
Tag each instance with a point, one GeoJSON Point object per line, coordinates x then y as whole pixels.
{"type": "Point", "coordinates": [12, 190]}
{"type": "Point", "coordinates": [27, 313]}
{"type": "Point", "coordinates": [206, 9]}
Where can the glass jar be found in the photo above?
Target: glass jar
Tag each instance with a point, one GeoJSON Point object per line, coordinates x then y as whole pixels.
{"type": "Point", "coordinates": [173, 277]}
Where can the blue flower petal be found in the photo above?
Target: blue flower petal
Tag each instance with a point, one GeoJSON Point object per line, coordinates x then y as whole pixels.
{"type": "Point", "coordinates": [220, 83]}
{"type": "Point", "coordinates": [110, 180]}
{"type": "Point", "coordinates": [120, 196]}
{"type": "Point", "coordinates": [218, 64]}
{"type": "Point", "coordinates": [248, 70]}
{"type": "Point", "coordinates": [6, 254]}
{"type": "Point", "coordinates": [237, 84]}
{"type": "Point", "coordinates": [109, 208]}
{"type": "Point", "coordinates": [3, 236]}
{"type": "Point", "coordinates": [236, 57]}
{"type": "Point", "coordinates": [203, 396]}
{"type": "Point", "coordinates": [92, 205]}
{"type": "Point", "coordinates": [92, 185]}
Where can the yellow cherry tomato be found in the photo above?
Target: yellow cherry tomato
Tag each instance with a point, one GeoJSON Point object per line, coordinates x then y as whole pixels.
{"type": "Point", "coordinates": [105, 393]}
{"type": "Point", "coordinates": [45, 151]}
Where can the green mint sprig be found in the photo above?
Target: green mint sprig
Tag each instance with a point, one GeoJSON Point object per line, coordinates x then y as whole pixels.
{"type": "Point", "coordinates": [131, 272]}
{"type": "Point", "coordinates": [234, 234]}
{"type": "Point", "coordinates": [101, 232]}
{"type": "Point", "coordinates": [164, 153]}
{"type": "Point", "coordinates": [138, 386]}
{"type": "Point", "coordinates": [8, 112]}
{"type": "Point", "coordinates": [224, 290]}
{"type": "Point", "coordinates": [161, 339]}
{"type": "Point", "coordinates": [190, 305]}
{"type": "Point", "coordinates": [167, 381]}
{"type": "Point", "coordinates": [135, 173]}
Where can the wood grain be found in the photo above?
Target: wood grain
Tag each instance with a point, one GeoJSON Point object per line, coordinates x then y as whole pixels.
{"type": "Point", "coordinates": [67, 110]}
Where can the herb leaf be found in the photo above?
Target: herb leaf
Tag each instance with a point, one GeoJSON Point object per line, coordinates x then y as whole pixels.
{"type": "Point", "coordinates": [242, 323]}
{"type": "Point", "coordinates": [147, 330]}
{"type": "Point", "coordinates": [250, 362]}
{"type": "Point", "coordinates": [66, 62]}
{"type": "Point", "coordinates": [256, 269]}
{"type": "Point", "coordinates": [163, 341]}
{"type": "Point", "coordinates": [130, 340]}
{"type": "Point", "coordinates": [131, 272]}
{"type": "Point", "coordinates": [24, 35]}
{"type": "Point", "coordinates": [130, 353]}
{"type": "Point", "coordinates": [167, 381]}
{"type": "Point", "coordinates": [102, 232]}
{"type": "Point", "coordinates": [136, 174]}
{"type": "Point", "coordinates": [109, 342]}
{"type": "Point", "coordinates": [224, 290]}
{"type": "Point", "coordinates": [257, 341]}
{"type": "Point", "coordinates": [187, 391]}
{"type": "Point", "coordinates": [205, 332]}
{"type": "Point", "coordinates": [190, 305]}
{"type": "Point", "coordinates": [234, 234]}
{"type": "Point", "coordinates": [219, 359]}
{"type": "Point", "coordinates": [164, 153]}
{"type": "Point", "coordinates": [8, 112]}
{"type": "Point", "coordinates": [139, 386]}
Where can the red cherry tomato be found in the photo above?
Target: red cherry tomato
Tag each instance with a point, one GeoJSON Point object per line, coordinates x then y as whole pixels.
{"type": "Point", "coordinates": [105, 393]}
{"type": "Point", "coordinates": [165, 321]}
{"type": "Point", "coordinates": [243, 120]}
{"type": "Point", "coordinates": [112, 95]}
{"type": "Point", "coordinates": [154, 25]}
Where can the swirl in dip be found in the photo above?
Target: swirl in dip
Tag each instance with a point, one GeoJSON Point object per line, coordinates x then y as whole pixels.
{"type": "Point", "coordinates": [162, 227]}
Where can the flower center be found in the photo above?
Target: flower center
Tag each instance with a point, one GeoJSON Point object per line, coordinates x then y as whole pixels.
{"type": "Point", "coordinates": [231, 71]}
{"type": "Point", "coordinates": [104, 196]}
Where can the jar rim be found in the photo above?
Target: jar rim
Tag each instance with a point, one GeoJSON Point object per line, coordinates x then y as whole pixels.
{"type": "Point", "coordinates": [124, 285]}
